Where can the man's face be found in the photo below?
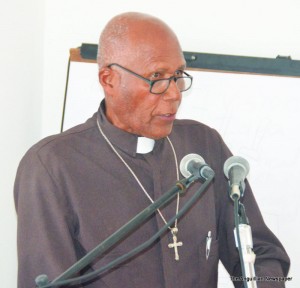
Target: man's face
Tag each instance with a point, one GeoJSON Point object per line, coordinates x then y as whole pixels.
{"type": "Point", "coordinates": [131, 106]}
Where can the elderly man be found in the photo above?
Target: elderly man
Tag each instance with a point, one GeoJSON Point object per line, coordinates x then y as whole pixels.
{"type": "Point", "coordinates": [75, 189]}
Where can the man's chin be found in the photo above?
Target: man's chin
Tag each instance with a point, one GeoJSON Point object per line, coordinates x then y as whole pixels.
{"type": "Point", "coordinates": [159, 133]}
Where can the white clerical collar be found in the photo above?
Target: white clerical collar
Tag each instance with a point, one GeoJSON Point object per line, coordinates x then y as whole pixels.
{"type": "Point", "coordinates": [144, 145]}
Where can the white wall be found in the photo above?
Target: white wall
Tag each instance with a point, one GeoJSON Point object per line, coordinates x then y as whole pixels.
{"type": "Point", "coordinates": [21, 70]}
{"type": "Point", "coordinates": [37, 35]}
{"type": "Point", "coordinates": [251, 28]}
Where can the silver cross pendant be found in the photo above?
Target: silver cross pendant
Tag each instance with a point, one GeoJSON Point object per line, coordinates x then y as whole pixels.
{"type": "Point", "coordinates": [175, 244]}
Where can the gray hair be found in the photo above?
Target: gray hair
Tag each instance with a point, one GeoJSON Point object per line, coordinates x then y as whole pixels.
{"type": "Point", "coordinates": [116, 36]}
{"type": "Point", "coordinates": [111, 40]}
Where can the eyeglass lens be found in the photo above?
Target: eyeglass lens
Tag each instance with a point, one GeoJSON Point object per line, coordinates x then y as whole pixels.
{"type": "Point", "coordinates": [160, 86]}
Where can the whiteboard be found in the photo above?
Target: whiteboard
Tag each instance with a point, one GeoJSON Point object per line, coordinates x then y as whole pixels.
{"type": "Point", "coordinates": [257, 116]}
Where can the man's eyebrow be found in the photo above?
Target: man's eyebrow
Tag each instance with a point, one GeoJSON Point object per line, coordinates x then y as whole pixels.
{"type": "Point", "coordinates": [182, 67]}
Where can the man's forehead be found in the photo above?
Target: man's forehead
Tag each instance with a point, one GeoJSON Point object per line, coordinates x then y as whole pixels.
{"type": "Point", "coordinates": [156, 56]}
{"type": "Point", "coordinates": [151, 44]}
{"type": "Point", "coordinates": [166, 65]}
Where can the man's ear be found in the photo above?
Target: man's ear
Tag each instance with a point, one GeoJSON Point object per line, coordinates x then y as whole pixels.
{"type": "Point", "coordinates": [106, 79]}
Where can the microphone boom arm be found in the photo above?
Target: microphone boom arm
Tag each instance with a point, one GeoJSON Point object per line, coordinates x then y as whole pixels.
{"type": "Point", "coordinates": [42, 280]}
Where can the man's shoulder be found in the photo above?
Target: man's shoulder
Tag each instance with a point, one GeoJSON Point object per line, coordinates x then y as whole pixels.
{"type": "Point", "coordinates": [61, 141]}
{"type": "Point", "coordinates": [188, 124]}
{"type": "Point", "coordinates": [186, 129]}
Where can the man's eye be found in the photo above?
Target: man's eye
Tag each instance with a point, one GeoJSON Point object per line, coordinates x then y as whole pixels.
{"type": "Point", "coordinates": [178, 73]}
{"type": "Point", "coordinates": [155, 75]}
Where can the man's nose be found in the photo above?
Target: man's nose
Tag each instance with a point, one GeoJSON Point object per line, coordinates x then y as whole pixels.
{"type": "Point", "coordinates": [173, 93]}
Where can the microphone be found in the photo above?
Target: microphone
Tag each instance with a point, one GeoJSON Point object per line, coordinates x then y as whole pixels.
{"type": "Point", "coordinates": [194, 164]}
{"type": "Point", "coordinates": [236, 170]}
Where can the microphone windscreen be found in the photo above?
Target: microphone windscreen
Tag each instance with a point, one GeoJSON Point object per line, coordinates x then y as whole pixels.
{"type": "Point", "coordinates": [186, 160]}
{"type": "Point", "coordinates": [236, 161]}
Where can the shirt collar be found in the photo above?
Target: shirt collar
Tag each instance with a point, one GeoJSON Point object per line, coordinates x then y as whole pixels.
{"type": "Point", "coordinates": [124, 140]}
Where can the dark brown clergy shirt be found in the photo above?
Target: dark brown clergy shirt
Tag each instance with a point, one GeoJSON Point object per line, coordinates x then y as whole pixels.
{"type": "Point", "coordinates": [72, 192]}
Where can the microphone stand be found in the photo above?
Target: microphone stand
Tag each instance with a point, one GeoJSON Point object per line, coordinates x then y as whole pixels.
{"type": "Point", "coordinates": [42, 280]}
{"type": "Point", "coordinates": [244, 242]}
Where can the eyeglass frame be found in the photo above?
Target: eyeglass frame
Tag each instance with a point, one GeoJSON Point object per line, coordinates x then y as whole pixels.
{"type": "Point", "coordinates": [152, 82]}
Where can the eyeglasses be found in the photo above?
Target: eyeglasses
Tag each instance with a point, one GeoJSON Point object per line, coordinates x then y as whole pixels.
{"type": "Point", "coordinates": [160, 86]}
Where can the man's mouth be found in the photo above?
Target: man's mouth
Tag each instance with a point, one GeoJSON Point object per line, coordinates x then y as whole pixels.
{"type": "Point", "coordinates": [168, 116]}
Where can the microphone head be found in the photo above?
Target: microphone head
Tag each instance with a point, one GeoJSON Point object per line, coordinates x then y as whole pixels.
{"type": "Point", "coordinates": [236, 161]}
{"type": "Point", "coordinates": [186, 160]}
